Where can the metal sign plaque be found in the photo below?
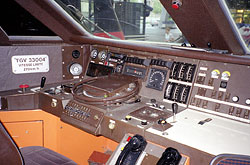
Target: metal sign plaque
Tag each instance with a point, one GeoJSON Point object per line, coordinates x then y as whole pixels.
{"type": "Point", "coordinates": [30, 64]}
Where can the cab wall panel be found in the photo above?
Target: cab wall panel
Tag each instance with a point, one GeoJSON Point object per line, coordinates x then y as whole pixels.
{"type": "Point", "coordinates": [9, 80]}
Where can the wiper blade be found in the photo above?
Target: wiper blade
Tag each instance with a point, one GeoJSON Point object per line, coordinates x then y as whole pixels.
{"type": "Point", "coordinates": [200, 49]}
{"type": "Point", "coordinates": [81, 18]}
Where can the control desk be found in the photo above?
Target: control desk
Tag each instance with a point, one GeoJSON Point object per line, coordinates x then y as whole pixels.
{"type": "Point", "coordinates": [199, 107]}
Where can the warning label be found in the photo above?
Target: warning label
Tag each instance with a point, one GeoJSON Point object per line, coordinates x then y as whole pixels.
{"type": "Point", "coordinates": [30, 64]}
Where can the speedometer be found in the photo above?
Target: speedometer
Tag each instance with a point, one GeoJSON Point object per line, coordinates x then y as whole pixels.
{"type": "Point", "coordinates": [156, 79]}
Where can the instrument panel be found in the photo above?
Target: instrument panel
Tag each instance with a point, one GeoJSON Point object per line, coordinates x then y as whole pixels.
{"type": "Point", "coordinates": [120, 91]}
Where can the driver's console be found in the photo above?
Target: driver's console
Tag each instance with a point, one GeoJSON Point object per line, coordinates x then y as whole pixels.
{"type": "Point", "coordinates": [187, 104]}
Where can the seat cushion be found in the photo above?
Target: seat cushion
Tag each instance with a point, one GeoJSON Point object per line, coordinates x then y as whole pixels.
{"type": "Point", "coordinates": [36, 155]}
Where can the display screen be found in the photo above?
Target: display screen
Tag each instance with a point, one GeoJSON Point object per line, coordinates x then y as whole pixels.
{"type": "Point", "coordinates": [96, 70]}
{"type": "Point", "coordinates": [134, 71]}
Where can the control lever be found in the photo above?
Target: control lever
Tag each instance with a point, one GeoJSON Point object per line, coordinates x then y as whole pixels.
{"type": "Point", "coordinates": [43, 80]}
{"type": "Point", "coordinates": [174, 110]}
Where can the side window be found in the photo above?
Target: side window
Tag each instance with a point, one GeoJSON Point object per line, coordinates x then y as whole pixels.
{"type": "Point", "coordinates": [16, 21]}
{"type": "Point", "coordinates": [240, 11]}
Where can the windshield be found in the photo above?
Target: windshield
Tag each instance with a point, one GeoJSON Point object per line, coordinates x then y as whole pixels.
{"type": "Point", "coordinates": [144, 20]}
{"type": "Point", "coordinates": [240, 12]}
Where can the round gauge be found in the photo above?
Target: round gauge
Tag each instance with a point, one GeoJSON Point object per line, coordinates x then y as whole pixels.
{"type": "Point", "coordinates": [76, 54]}
{"type": "Point", "coordinates": [75, 69]}
{"type": "Point", "coordinates": [215, 73]}
{"type": "Point", "coordinates": [225, 75]}
{"type": "Point", "coordinates": [102, 55]}
{"type": "Point", "coordinates": [156, 79]}
{"type": "Point", "coordinates": [94, 53]}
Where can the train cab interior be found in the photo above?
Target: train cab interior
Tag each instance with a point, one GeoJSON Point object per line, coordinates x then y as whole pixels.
{"type": "Point", "coordinates": [125, 82]}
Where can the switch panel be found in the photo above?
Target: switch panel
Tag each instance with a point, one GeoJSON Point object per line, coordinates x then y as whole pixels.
{"type": "Point", "coordinates": [83, 116]}
{"type": "Point", "coordinates": [221, 90]}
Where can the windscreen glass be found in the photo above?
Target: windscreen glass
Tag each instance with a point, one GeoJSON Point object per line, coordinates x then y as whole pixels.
{"type": "Point", "coordinates": [240, 11]}
{"type": "Point", "coordinates": [143, 20]}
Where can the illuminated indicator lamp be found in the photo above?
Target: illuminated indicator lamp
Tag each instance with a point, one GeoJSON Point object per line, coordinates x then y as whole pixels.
{"type": "Point", "coordinates": [235, 99]}
{"type": "Point", "coordinates": [162, 121]}
{"type": "Point", "coordinates": [176, 4]}
{"type": "Point", "coordinates": [248, 101]}
{"type": "Point", "coordinates": [128, 139]}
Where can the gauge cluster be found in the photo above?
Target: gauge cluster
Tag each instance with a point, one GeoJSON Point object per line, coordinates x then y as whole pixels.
{"type": "Point", "coordinates": [103, 62]}
{"type": "Point", "coordinates": [182, 71]}
{"type": "Point", "coordinates": [159, 73]}
{"type": "Point", "coordinates": [179, 83]}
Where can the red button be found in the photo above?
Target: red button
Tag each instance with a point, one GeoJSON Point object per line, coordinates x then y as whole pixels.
{"type": "Point", "coordinates": [175, 6]}
{"type": "Point", "coordinates": [129, 138]}
{"type": "Point", "coordinates": [24, 86]}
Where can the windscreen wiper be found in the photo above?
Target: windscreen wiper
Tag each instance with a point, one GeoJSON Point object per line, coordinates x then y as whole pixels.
{"type": "Point", "coordinates": [77, 13]}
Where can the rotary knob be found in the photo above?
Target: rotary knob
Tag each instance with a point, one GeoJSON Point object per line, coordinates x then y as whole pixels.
{"type": "Point", "coordinates": [144, 122]}
{"type": "Point", "coordinates": [111, 125]}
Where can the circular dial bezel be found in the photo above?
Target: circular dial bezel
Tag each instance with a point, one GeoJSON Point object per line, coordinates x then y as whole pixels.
{"type": "Point", "coordinates": [94, 53]}
{"type": "Point", "coordinates": [75, 69]}
{"type": "Point", "coordinates": [154, 83]}
{"type": "Point", "coordinates": [102, 55]}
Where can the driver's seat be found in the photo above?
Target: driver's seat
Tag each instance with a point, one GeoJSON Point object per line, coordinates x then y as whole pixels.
{"type": "Point", "coordinates": [34, 155]}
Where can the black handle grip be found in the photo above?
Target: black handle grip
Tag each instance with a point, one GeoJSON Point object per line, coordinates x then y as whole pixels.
{"type": "Point", "coordinates": [174, 108]}
{"type": "Point", "coordinates": [43, 80]}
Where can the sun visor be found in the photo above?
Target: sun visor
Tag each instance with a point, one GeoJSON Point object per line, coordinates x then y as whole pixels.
{"type": "Point", "coordinates": [204, 24]}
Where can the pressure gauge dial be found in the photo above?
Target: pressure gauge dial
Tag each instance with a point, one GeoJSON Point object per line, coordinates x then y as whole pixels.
{"type": "Point", "coordinates": [156, 79]}
{"type": "Point", "coordinates": [102, 55]}
{"type": "Point", "coordinates": [215, 73]}
{"type": "Point", "coordinates": [225, 75]}
{"type": "Point", "coordinates": [75, 69]}
{"type": "Point", "coordinates": [94, 53]}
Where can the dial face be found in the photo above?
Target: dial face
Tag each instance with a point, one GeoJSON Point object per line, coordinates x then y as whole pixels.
{"type": "Point", "coordinates": [102, 55]}
{"type": "Point", "coordinates": [94, 53]}
{"type": "Point", "coordinates": [156, 79]}
{"type": "Point", "coordinates": [75, 69]}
